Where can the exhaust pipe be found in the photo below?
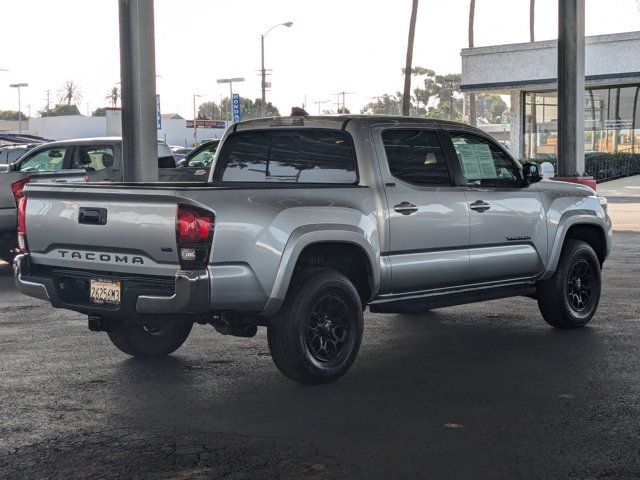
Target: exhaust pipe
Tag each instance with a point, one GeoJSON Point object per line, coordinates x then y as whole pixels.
{"type": "Point", "coordinates": [223, 325]}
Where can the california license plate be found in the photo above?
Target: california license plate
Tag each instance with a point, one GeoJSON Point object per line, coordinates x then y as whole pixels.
{"type": "Point", "coordinates": [104, 292]}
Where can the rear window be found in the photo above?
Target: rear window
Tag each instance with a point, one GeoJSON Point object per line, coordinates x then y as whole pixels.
{"type": "Point", "coordinates": [288, 156]}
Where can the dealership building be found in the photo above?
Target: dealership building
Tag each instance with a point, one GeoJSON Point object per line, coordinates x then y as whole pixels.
{"type": "Point", "coordinates": [527, 72]}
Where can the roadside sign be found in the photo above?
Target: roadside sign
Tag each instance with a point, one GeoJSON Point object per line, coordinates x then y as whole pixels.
{"type": "Point", "coordinates": [237, 116]}
{"type": "Point", "coordinates": [158, 114]}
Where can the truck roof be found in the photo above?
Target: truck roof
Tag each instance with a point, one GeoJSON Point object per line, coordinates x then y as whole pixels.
{"type": "Point", "coordinates": [339, 121]}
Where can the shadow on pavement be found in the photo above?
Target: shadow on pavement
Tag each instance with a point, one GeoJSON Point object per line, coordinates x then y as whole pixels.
{"type": "Point", "coordinates": [498, 383]}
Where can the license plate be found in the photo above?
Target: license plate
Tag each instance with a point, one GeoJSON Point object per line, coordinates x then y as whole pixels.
{"type": "Point", "coordinates": [104, 292]}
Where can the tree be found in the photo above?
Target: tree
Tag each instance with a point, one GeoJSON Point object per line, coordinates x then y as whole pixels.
{"type": "Point", "coordinates": [424, 95]}
{"type": "Point", "coordinates": [491, 107]}
{"type": "Point", "coordinates": [209, 111]}
{"type": "Point", "coordinates": [113, 97]}
{"type": "Point", "coordinates": [70, 93]}
{"type": "Point", "coordinates": [60, 110]}
{"type": "Point", "coordinates": [99, 112]}
{"type": "Point", "coordinates": [249, 108]}
{"type": "Point", "coordinates": [472, 96]}
{"type": "Point", "coordinates": [384, 105]}
{"type": "Point", "coordinates": [343, 110]}
{"type": "Point", "coordinates": [12, 115]}
{"type": "Point", "coordinates": [406, 96]}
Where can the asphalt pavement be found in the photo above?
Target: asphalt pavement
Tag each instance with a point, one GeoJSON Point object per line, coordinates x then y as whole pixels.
{"type": "Point", "coordinates": [478, 391]}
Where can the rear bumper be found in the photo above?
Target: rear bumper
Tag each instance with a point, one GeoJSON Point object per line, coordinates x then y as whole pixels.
{"type": "Point", "coordinates": [187, 293]}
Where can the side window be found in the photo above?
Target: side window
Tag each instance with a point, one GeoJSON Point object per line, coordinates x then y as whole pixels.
{"type": "Point", "coordinates": [483, 163]}
{"type": "Point", "coordinates": [294, 156]}
{"type": "Point", "coordinates": [93, 158]}
{"type": "Point", "coordinates": [415, 156]}
{"type": "Point", "coordinates": [50, 160]}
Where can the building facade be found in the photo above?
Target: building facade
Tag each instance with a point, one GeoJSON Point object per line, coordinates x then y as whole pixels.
{"type": "Point", "coordinates": [528, 73]}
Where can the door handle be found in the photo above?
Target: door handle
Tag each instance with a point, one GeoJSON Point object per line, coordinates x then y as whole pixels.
{"type": "Point", "coordinates": [405, 208]}
{"type": "Point", "coordinates": [479, 206]}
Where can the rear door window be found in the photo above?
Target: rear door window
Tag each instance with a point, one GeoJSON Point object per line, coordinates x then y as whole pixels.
{"type": "Point", "coordinates": [415, 156]}
{"type": "Point", "coordinates": [294, 156]}
{"type": "Point", "coordinates": [93, 158]}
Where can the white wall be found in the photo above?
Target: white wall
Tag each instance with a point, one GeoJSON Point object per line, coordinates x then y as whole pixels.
{"type": "Point", "coordinates": [68, 126]}
{"type": "Point", "coordinates": [11, 126]}
{"type": "Point", "coordinates": [174, 131]}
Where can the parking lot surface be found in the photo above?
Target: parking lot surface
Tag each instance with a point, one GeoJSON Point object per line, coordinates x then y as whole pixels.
{"type": "Point", "coordinates": [478, 391]}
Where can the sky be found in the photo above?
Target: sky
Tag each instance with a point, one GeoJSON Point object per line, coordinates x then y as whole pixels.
{"type": "Point", "coordinates": [357, 46]}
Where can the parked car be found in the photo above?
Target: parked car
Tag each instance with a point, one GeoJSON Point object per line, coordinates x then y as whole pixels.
{"type": "Point", "coordinates": [202, 156]}
{"type": "Point", "coordinates": [11, 153]}
{"type": "Point", "coordinates": [179, 153]}
{"type": "Point", "coordinates": [305, 222]}
{"type": "Point", "coordinates": [87, 159]}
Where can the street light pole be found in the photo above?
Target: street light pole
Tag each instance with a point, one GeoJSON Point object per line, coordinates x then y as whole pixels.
{"type": "Point", "coordinates": [19, 86]}
{"type": "Point", "coordinates": [195, 123]}
{"type": "Point", "coordinates": [263, 70]}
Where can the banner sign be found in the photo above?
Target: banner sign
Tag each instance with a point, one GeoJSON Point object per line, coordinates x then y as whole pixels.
{"type": "Point", "coordinates": [237, 116]}
{"type": "Point", "coordinates": [207, 124]}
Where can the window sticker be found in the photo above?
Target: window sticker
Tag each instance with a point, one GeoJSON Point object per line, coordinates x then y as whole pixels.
{"type": "Point", "coordinates": [477, 161]}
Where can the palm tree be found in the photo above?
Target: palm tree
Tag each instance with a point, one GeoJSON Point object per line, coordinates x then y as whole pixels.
{"type": "Point", "coordinates": [406, 96]}
{"type": "Point", "coordinates": [113, 96]}
{"type": "Point", "coordinates": [472, 96]}
{"type": "Point", "coordinates": [532, 20]}
{"type": "Point", "coordinates": [70, 93]}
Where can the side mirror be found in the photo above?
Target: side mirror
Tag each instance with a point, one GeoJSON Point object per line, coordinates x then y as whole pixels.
{"type": "Point", "coordinates": [531, 173]}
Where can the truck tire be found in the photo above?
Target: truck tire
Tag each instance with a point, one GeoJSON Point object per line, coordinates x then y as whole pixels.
{"type": "Point", "coordinates": [570, 298]}
{"type": "Point", "coordinates": [316, 336]}
{"type": "Point", "coordinates": [145, 340]}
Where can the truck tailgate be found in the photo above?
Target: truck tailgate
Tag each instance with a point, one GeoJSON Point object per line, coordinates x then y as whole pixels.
{"type": "Point", "coordinates": [104, 229]}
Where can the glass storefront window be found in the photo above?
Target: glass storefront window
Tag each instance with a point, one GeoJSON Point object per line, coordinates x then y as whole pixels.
{"type": "Point", "coordinates": [611, 121]}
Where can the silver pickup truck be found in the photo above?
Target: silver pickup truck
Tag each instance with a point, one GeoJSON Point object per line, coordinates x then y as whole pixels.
{"type": "Point", "coordinates": [303, 223]}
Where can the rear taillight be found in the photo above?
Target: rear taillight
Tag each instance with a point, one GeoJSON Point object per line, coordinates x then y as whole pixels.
{"type": "Point", "coordinates": [194, 235]}
{"type": "Point", "coordinates": [18, 189]}
{"type": "Point", "coordinates": [22, 225]}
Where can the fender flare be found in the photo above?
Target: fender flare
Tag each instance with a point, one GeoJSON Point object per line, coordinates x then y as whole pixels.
{"type": "Point", "coordinates": [307, 235]}
{"type": "Point", "coordinates": [568, 220]}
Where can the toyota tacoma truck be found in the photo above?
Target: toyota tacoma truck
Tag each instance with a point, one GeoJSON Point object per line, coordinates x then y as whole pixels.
{"type": "Point", "coordinates": [305, 221]}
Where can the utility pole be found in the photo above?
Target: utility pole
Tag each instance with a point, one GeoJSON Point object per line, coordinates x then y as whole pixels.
{"type": "Point", "coordinates": [48, 100]}
{"type": "Point", "coordinates": [344, 104]}
{"type": "Point", "coordinates": [320, 103]}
